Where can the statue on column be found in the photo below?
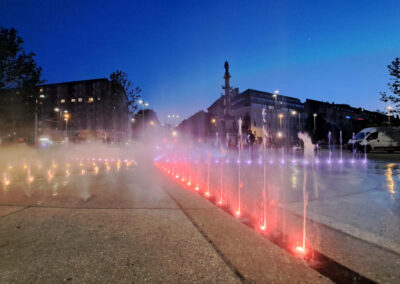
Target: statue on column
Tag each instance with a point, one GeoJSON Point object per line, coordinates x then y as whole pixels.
{"type": "Point", "coordinates": [226, 65]}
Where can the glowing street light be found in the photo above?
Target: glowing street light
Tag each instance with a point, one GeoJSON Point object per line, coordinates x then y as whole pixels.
{"type": "Point", "coordinates": [172, 117]}
{"type": "Point", "coordinates": [294, 112]}
{"type": "Point", "coordinates": [389, 108]}
{"type": "Point", "coordinates": [275, 96]}
{"type": "Point", "coordinates": [213, 121]}
{"type": "Point", "coordinates": [66, 118]}
{"type": "Point", "coordinates": [280, 119]}
{"type": "Point", "coordinates": [143, 104]}
{"type": "Point", "coordinates": [315, 122]}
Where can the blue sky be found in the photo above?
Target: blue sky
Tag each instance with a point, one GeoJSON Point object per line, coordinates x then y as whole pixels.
{"type": "Point", "coordinates": [175, 50]}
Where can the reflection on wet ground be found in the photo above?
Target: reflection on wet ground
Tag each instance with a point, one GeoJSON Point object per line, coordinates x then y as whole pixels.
{"type": "Point", "coordinates": [360, 199]}
{"type": "Point", "coordinates": [351, 194]}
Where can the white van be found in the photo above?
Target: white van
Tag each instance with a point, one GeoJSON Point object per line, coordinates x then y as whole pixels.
{"type": "Point", "coordinates": [377, 138]}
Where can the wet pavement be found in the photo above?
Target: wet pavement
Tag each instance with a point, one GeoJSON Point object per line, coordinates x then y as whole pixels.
{"type": "Point", "coordinates": [128, 224]}
{"type": "Point", "coordinates": [352, 204]}
{"type": "Point", "coordinates": [102, 220]}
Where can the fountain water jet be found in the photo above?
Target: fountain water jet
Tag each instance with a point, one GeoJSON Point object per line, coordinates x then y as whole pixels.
{"type": "Point", "coordinates": [308, 154]}
{"type": "Point", "coordinates": [341, 147]}
{"type": "Point", "coordinates": [329, 146]}
{"type": "Point", "coordinates": [240, 146]}
{"type": "Point", "coordinates": [354, 148]}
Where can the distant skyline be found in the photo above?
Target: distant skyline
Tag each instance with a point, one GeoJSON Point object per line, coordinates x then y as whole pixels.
{"type": "Point", "coordinates": [334, 51]}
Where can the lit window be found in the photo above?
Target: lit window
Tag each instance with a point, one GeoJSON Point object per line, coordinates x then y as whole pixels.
{"type": "Point", "coordinates": [91, 100]}
{"type": "Point", "coordinates": [72, 100]}
{"type": "Point", "coordinates": [80, 100]}
{"type": "Point", "coordinates": [62, 101]}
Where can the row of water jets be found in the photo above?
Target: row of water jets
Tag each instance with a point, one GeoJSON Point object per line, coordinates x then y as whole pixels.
{"type": "Point", "coordinates": [311, 158]}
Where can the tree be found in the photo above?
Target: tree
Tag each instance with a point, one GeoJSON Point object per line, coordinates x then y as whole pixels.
{"type": "Point", "coordinates": [121, 83]}
{"type": "Point", "coordinates": [394, 86]}
{"type": "Point", "coordinates": [19, 75]}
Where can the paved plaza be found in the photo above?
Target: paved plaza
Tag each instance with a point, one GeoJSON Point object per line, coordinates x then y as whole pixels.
{"type": "Point", "coordinates": [131, 229]}
{"type": "Point", "coordinates": [136, 225]}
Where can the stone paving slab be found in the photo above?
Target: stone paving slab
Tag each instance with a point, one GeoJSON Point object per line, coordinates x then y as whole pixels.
{"type": "Point", "coordinates": [124, 189]}
{"type": "Point", "coordinates": [188, 198]}
{"type": "Point", "coordinates": [5, 210]}
{"type": "Point", "coordinates": [48, 245]}
{"type": "Point", "coordinates": [372, 223]}
{"type": "Point", "coordinates": [255, 257]}
{"type": "Point", "coordinates": [368, 259]}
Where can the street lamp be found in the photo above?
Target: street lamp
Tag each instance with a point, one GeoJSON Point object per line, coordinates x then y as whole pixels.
{"type": "Point", "coordinates": [143, 104]}
{"type": "Point", "coordinates": [280, 119]}
{"type": "Point", "coordinates": [294, 112]}
{"type": "Point", "coordinates": [66, 118]}
{"type": "Point", "coordinates": [58, 116]}
{"type": "Point", "coordinates": [275, 96]}
{"type": "Point", "coordinates": [389, 108]}
{"type": "Point", "coordinates": [315, 122]}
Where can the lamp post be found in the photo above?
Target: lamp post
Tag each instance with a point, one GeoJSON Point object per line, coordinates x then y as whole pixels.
{"type": "Point", "coordinates": [275, 96]}
{"type": "Point", "coordinates": [315, 122]}
{"type": "Point", "coordinates": [389, 108]}
{"type": "Point", "coordinates": [294, 112]}
{"type": "Point", "coordinates": [280, 119]}
{"type": "Point", "coordinates": [66, 118]}
{"type": "Point", "coordinates": [57, 110]}
{"type": "Point", "coordinates": [143, 104]}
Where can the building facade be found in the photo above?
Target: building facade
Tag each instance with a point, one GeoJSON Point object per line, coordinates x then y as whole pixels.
{"type": "Point", "coordinates": [283, 117]}
{"type": "Point", "coordinates": [324, 117]}
{"type": "Point", "coordinates": [197, 125]}
{"type": "Point", "coordinates": [83, 109]}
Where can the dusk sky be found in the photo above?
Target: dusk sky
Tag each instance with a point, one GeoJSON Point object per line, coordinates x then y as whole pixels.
{"type": "Point", "coordinates": [175, 50]}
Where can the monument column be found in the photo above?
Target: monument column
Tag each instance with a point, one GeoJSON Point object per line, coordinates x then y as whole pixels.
{"type": "Point", "coordinates": [227, 88]}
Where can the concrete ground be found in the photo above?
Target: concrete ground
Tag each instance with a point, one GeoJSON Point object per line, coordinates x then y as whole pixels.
{"type": "Point", "coordinates": [131, 226]}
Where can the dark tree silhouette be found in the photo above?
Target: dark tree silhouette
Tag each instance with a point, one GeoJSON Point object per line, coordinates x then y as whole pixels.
{"type": "Point", "coordinates": [120, 82]}
{"type": "Point", "coordinates": [394, 86]}
{"type": "Point", "coordinates": [19, 75]}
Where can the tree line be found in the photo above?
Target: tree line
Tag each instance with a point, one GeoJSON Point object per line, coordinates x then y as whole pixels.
{"type": "Point", "coordinates": [19, 77]}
